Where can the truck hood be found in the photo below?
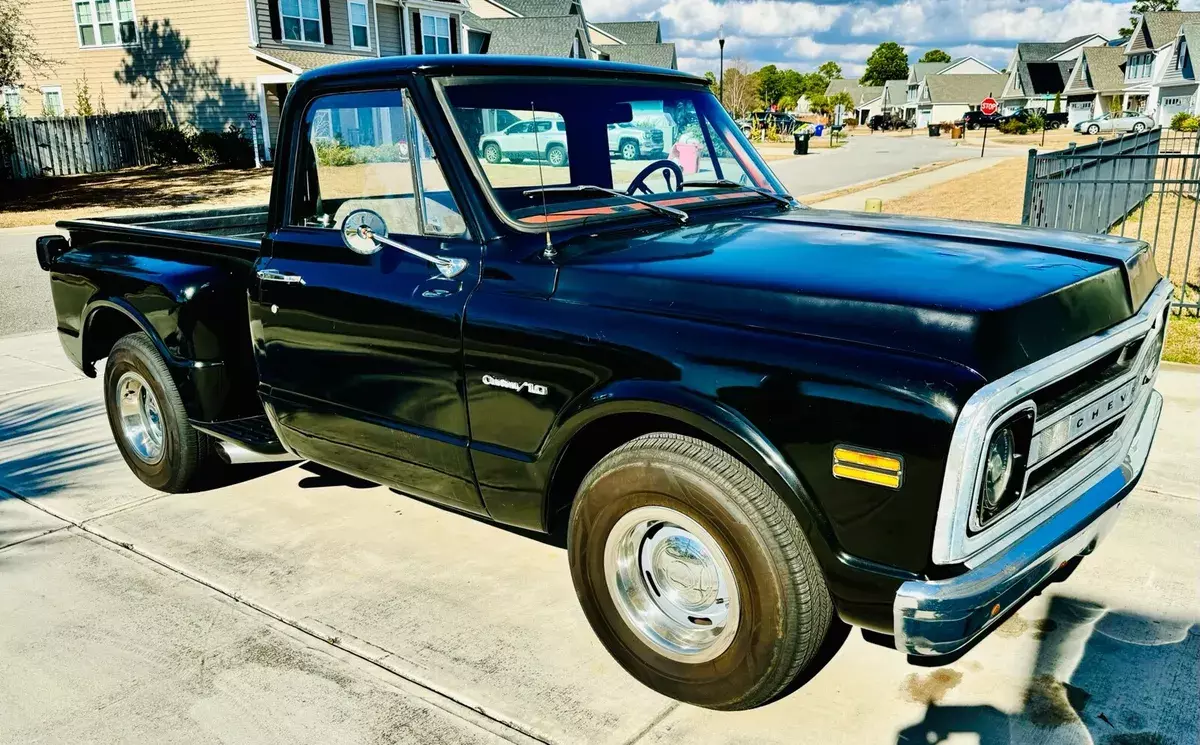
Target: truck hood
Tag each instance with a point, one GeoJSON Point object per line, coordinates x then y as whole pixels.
{"type": "Point", "coordinates": [991, 297]}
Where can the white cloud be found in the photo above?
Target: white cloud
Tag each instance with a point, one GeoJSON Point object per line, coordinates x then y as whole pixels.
{"type": "Point", "coordinates": [803, 33]}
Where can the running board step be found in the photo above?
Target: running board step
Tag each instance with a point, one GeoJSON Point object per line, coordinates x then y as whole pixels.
{"type": "Point", "coordinates": [248, 440]}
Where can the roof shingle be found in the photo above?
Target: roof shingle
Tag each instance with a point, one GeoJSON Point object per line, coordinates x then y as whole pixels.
{"type": "Point", "coordinates": [964, 89]}
{"type": "Point", "coordinates": [653, 55]}
{"type": "Point", "coordinates": [633, 32]}
{"type": "Point", "coordinates": [537, 37]}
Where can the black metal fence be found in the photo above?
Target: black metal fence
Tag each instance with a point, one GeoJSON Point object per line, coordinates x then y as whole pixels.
{"type": "Point", "coordinates": [1144, 185]}
{"type": "Point", "coordinates": [63, 145]}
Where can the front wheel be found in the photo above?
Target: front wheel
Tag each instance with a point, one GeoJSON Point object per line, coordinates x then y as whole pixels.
{"type": "Point", "coordinates": [491, 153]}
{"type": "Point", "coordinates": [629, 150]}
{"type": "Point", "coordinates": [148, 419]}
{"type": "Point", "coordinates": [694, 574]}
{"type": "Point", "coordinates": [1138, 128]}
{"type": "Point", "coordinates": [1094, 129]}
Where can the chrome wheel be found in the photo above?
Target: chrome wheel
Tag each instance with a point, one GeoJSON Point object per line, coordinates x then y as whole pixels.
{"type": "Point", "coordinates": [140, 418]}
{"type": "Point", "coordinates": [557, 156]}
{"type": "Point", "coordinates": [629, 151]}
{"type": "Point", "coordinates": [672, 584]}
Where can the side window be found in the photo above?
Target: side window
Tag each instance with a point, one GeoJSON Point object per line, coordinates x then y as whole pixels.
{"type": "Point", "coordinates": [368, 150]}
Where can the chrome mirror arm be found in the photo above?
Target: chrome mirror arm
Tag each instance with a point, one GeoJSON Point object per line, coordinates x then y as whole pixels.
{"type": "Point", "coordinates": [448, 267]}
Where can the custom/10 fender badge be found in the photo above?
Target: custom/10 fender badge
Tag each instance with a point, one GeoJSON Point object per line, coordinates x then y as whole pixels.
{"type": "Point", "coordinates": [512, 385]}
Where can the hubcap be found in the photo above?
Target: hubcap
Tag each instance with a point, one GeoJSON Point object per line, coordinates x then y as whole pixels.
{"type": "Point", "coordinates": [672, 584]}
{"type": "Point", "coordinates": [140, 418]}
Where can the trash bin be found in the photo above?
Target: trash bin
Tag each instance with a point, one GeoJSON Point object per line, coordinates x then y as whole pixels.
{"type": "Point", "coordinates": [819, 129]}
{"type": "Point", "coordinates": [935, 130]}
{"type": "Point", "coordinates": [801, 143]}
{"type": "Point", "coordinates": [687, 155]}
{"type": "Point", "coordinates": [956, 132]}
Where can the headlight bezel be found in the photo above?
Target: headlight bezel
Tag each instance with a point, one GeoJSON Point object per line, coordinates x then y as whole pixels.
{"type": "Point", "coordinates": [1017, 420]}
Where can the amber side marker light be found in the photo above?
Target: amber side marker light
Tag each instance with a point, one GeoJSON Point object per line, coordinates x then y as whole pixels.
{"type": "Point", "coordinates": [868, 466]}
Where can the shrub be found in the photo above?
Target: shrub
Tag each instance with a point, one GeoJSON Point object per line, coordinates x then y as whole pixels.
{"type": "Point", "coordinates": [1191, 124]}
{"type": "Point", "coordinates": [1035, 123]}
{"type": "Point", "coordinates": [185, 145]}
{"type": "Point", "coordinates": [1180, 120]}
{"type": "Point", "coordinates": [171, 146]}
{"type": "Point", "coordinates": [228, 148]}
{"type": "Point", "coordinates": [1013, 127]}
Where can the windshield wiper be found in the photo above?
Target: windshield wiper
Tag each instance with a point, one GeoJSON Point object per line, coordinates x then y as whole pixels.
{"type": "Point", "coordinates": [785, 199]}
{"type": "Point", "coordinates": [659, 208]}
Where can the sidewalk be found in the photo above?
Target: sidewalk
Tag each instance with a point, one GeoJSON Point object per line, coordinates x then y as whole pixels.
{"type": "Point", "coordinates": [905, 186]}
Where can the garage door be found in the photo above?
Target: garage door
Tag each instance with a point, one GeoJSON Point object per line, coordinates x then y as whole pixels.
{"type": "Point", "coordinates": [1172, 105]}
{"type": "Point", "coordinates": [1079, 111]}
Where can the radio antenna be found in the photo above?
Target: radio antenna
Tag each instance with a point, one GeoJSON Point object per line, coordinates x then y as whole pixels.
{"type": "Point", "coordinates": [549, 251]}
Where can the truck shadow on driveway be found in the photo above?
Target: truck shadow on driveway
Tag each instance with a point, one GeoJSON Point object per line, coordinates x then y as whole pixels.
{"type": "Point", "coordinates": [1100, 676]}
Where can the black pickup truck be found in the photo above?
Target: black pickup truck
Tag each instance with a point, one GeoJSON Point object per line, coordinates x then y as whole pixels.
{"type": "Point", "coordinates": [748, 418]}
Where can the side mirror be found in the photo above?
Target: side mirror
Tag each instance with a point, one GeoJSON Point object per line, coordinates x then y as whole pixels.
{"type": "Point", "coordinates": [49, 248]}
{"type": "Point", "coordinates": [364, 232]}
{"type": "Point", "coordinates": [362, 241]}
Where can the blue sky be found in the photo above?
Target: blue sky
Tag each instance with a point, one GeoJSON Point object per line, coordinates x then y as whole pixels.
{"type": "Point", "coordinates": [804, 33]}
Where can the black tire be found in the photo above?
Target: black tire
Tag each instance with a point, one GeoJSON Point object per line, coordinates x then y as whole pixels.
{"type": "Point", "coordinates": [785, 607]}
{"type": "Point", "coordinates": [630, 150]}
{"type": "Point", "coordinates": [492, 153]}
{"type": "Point", "coordinates": [1094, 129]}
{"type": "Point", "coordinates": [1138, 128]}
{"type": "Point", "coordinates": [556, 155]}
{"type": "Point", "coordinates": [515, 161]}
{"type": "Point", "coordinates": [185, 450]}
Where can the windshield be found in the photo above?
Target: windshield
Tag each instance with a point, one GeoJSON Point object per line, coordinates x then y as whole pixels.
{"type": "Point", "coordinates": [529, 138]}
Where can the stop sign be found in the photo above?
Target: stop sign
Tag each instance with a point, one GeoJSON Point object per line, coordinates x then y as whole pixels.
{"type": "Point", "coordinates": [989, 106]}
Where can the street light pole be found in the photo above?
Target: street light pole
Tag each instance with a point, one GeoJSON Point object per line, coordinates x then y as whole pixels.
{"type": "Point", "coordinates": [721, 42]}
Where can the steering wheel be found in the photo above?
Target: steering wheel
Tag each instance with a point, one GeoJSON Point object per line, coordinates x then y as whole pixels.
{"type": "Point", "coordinates": [668, 166]}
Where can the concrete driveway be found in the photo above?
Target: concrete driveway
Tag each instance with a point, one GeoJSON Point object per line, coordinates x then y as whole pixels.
{"type": "Point", "coordinates": [297, 605]}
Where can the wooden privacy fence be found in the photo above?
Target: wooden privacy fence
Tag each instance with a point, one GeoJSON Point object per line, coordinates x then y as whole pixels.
{"type": "Point", "coordinates": [63, 145]}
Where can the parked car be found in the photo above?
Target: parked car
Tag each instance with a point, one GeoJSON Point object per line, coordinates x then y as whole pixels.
{"type": "Point", "coordinates": [546, 139]}
{"type": "Point", "coordinates": [1121, 121]}
{"type": "Point", "coordinates": [976, 119]}
{"type": "Point", "coordinates": [1052, 120]}
{"type": "Point", "coordinates": [886, 122]}
{"type": "Point", "coordinates": [747, 418]}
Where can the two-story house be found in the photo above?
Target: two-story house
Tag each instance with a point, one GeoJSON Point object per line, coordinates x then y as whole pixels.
{"type": "Point", "coordinates": [1038, 71]}
{"type": "Point", "coordinates": [213, 63]}
{"type": "Point", "coordinates": [1175, 87]}
{"type": "Point", "coordinates": [927, 109]}
{"type": "Point", "coordinates": [1148, 55]}
{"type": "Point", "coordinates": [1096, 84]}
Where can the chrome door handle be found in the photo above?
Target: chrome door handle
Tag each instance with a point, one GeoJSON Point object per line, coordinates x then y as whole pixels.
{"type": "Point", "coordinates": [274, 275]}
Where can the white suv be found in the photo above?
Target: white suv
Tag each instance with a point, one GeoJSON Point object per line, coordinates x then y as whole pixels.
{"type": "Point", "coordinates": [547, 138]}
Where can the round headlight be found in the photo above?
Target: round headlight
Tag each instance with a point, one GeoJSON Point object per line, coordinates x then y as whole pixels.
{"type": "Point", "coordinates": [999, 468]}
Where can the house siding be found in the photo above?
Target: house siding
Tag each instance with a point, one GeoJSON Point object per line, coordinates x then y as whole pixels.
{"type": "Point", "coordinates": [208, 73]}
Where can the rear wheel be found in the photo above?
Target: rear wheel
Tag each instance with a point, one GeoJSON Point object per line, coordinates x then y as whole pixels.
{"type": "Point", "coordinates": [148, 419]}
{"type": "Point", "coordinates": [556, 155]}
{"type": "Point", "coordinates": [694, 573]}
{"type": "Point", "coordinates": [491, 153]}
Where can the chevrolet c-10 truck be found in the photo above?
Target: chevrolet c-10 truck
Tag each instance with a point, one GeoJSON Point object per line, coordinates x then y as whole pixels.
{"type": "Point", "coordinates": [751, 420]}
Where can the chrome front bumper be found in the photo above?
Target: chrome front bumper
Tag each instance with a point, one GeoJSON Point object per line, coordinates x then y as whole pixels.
{"type": "Point", "coordinates": [937, 617]}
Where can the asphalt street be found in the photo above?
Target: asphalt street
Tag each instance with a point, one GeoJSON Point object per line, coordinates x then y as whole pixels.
{"type": "Point", "coordinates": [293, 605]}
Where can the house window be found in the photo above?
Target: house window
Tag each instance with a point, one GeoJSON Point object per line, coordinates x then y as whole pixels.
{"type": "Point", "coordinates": [105, 23]}
{"type": "Point", "coordinates": [360, 35]}
{"type": "Point", "coordinates": [301, 20]}
{"type": "Point", "coordinates": [12, 102]}
{"type": "Point", "coordinates": [435, 33]}
{"type": "Point", "coordinates": [52, 101]}
{"type": "Point", "coordinates": [1139, 66]}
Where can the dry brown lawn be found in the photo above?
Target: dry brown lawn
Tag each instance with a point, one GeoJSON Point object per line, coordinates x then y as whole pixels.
{"type": "Point", "coordinates": [43, 201]}
{"type": "Point", "coordinates": [993, 195]}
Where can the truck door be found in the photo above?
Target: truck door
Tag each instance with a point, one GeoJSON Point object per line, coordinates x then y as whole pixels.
{"type": "Point", "coordinates": [360, 355]}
